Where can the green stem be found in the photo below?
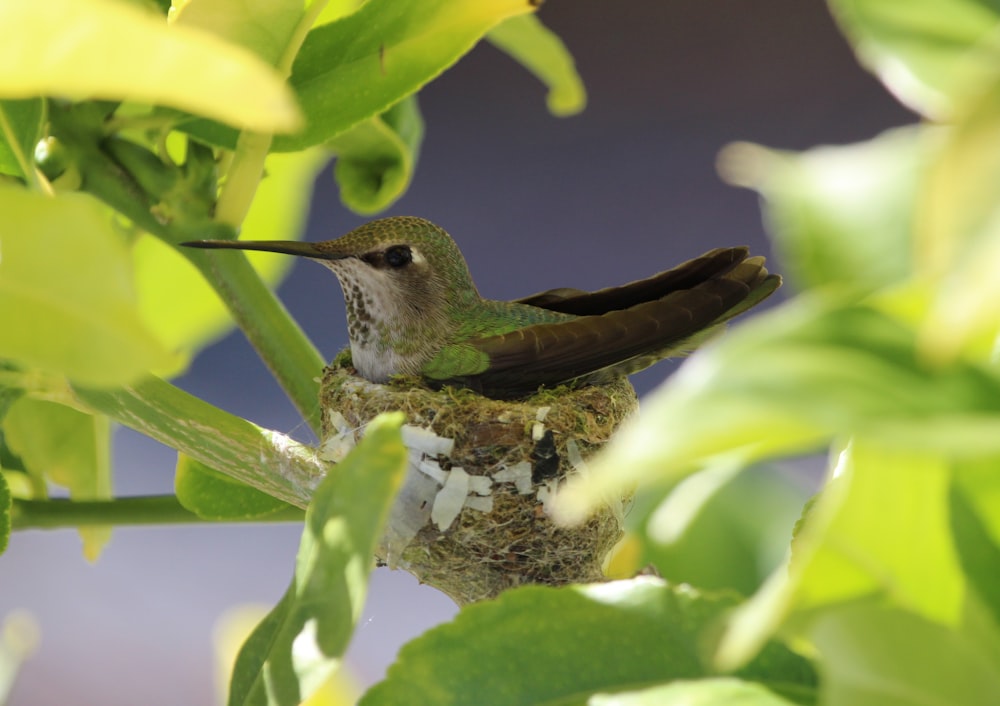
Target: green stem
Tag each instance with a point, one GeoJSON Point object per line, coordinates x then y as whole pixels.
{"type": "Point", "coordinates": [265, 459]}
{"type": "Point", "coordinates": [244, 175]}
{"type": "Point", "coordinates": [286, 350]}
{"type": "Point", "coordinates": [279, 341]}
{"type": "Point", "coordinates": [147, 510]}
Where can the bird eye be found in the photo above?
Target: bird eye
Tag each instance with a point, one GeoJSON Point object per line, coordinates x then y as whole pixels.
{"type": "Point", "coordinates": [398, 256]}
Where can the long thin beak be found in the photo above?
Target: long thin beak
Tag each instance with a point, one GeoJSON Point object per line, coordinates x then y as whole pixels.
{"type": "Point", "coordinates": [286, 247]}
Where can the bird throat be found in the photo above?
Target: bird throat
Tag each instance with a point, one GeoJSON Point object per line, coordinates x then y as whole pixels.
{"type": "Point", "coordinates": [377, 327]}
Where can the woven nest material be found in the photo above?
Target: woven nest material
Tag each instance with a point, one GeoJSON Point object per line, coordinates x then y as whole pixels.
{"type": "Point", "coordinates": [472, 518]}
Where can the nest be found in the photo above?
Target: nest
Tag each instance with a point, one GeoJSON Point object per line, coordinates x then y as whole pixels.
{"type": "Point", "coordinates": [472, 518]}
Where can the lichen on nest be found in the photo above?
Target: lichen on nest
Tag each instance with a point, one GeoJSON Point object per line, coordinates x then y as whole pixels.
{"type": "Point", "coordinates": [472, 518]}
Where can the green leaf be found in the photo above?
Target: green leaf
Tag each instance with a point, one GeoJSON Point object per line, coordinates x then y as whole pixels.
{"type": "Point", "coordinates": [5, 504]}
{"type": "Point", "coordinates": [881, 528]}
{"type": "Point", "coordinates": [789, 381]}
{"type": "Point", "coordinates": [174, 299]}
{"type": "Point", "coordinates": [839, 215]}
{"type": "Point", "coordinates": [265, 28]}
{"type": "Point", "coordinates": [376, 158]}
{"type": "Point", "coordinates": [335, 9]}
{"type": "Point", "coordinates": [704, 692]}
{"type": "Point", "coordinates": [69, 448]}
{"type": "Point", "coordinates": [266, 459]}
{"type": "Point", "coordinates": [360, 65]}
{"type": "Point", "coordinates": [66, 299]}
{"type": "Point", "coordinates": [215, 496]}
{"type": "Point", "coordinates": [541, 645]}
{"type": "Point", "coordinates": [20, 128]}
{"type": "Point", "coordinates": [543, 53]}
{"type": "Point", "coordinates": [107, 49]}
{"type": "Point", "coordinates": [975, 521]}
{"type": "Point", "coordinates": [929, 53]}
{"type": "Point", "coordinates": [301, 642]}
{"type": "Point", "coordinates": [878, 656]}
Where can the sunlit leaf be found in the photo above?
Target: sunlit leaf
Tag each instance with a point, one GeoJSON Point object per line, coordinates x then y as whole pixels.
{"type": "Point", "coordinates": [108, 49]}
{"type": "Point", "coordinates": [300, 643]}
{"type": "Point", "coordinates": [958, 232]}
{"type": "Point", "coordinates": [924, 51]}
{"type": "Point", "coordinates": [20, 126]}
{"type": "Point", "coordinates": [66, 298]}
{"type": "Point", "coordinates": [69, 448]}
{"type": "Point", "coordinates": [376, 158]}
{"type": "Point", "coordinates": [215, 496]}
{"type": "Point", "coordinates": [335, 9]}
{"type": "Point", "coordinates": [537, 645]}
{"type": "Point", "coordinates": [543, 53]}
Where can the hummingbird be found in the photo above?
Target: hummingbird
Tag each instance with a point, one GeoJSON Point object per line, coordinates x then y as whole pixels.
{"type": "Point", "coordinates": [413, 309]}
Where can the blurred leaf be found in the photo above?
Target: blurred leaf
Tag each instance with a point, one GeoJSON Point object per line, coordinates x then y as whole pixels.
{"type": "Point", "coordinates": [19, 637]}
{"type": "Point", "coordinates": [880, 656]}
{"type": "Point", "coordinates": [719, 528]}
{"type": "Point", "coordinates": [301, 642]}
{"type": "Point", "coordinates": [215, 496]}
{"type": "Point", "coordinates": [535, 645]}
{"type": "Point", "coordinates": [975, 522]}
{"type": "Point", "coordinates": [789, 381]}
{"type": "Point", "coordinates": [360, 65]}
{"type": "Point", "coordinates": [20, 127]}
{"type": "Point", "coordinates": [264, 28]}
{"type": "Point", "coordinates": [376, 158]}
{"type": "Point", "coordinates": [107, 49]}
{"type": "Point", "coordinates": [543, 53]}
{"type": "Point", "coordinates": [838, 215]}
{"type": "Point", "coordinates": [924, 51]}
{"type": "Point", "coordinates": [879, 528]}
{"type": "Point", "coordinates": [979, 481]}
{"type": "Point", "coordinates": [5, 504]}
{"type": "Point", "coordinates": [66, 300]}
{"type": "Point", "coordinates": [703, 692]}
{"type": "Point", "coordinates": [18, 483]}
{"type": "Point", "coordinates": [233, 628]}
{"type": "Point", "coordinates": [69, 448]}
{"type": "Point", "coordinates": [174, 299]}
{"type": "Point", "coordinates": [8, 394]}
{"type": "Point", "coordinates": [958, 231]}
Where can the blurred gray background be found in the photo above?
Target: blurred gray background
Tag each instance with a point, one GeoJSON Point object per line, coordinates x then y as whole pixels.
{"type": "Point", "coordinates": [619, 192]}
